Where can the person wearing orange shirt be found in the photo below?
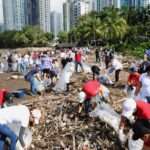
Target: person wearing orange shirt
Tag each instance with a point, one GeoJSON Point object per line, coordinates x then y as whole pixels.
{"type": "Point", "coordinates": [133, 78]}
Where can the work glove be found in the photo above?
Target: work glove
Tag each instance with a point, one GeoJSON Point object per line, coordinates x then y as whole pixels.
{"type": "Point", "coordinates": [132, 120]}
{"type": "Point", "coordinates": [122, 136]}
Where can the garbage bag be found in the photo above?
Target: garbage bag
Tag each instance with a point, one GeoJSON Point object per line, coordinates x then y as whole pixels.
{"type": "Point", "coordinates": [87, 68]}
{"type": "Point", "coordinates": [66, 74]}
{"type": "Point", "coordinates": [107, 114]}
{"type": "Point", "coordinates": [64, 77]}
{"type": "Point", "coordinates": [135, 144]}
{"type": "Point", "coordinates": [111, 70]}
{"type": "Point", "coordinates": [130, 91]}
{"type": "Point", "coordinates": [122, 136]}
{"type": "Point", "coordinates": [27, 137]}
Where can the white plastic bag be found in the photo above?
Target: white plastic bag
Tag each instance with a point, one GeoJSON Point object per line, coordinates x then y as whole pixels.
{"type": "Point", "coordinates": [135, 145]}
{"type": "Point", "coordinates": [130, 92]}
{"type": "Point", "coordinates": [87, 68]}
{"type": "Point", "coordinates": [64, 77]}
{"type": "Point", "coordinates": [27, 137]}
{"type": "Point", "coordinates": [122, 136]}
{"type": "Point", "coordinates": [107, 114]}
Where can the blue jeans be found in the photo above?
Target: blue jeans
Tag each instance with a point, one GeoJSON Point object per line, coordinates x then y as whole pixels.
{"type": "Point", "coordinates": [78, 64]}
{"type": "Point", "coordinates": [2, 143]}
{"type": "Point", "coordinates": [23, 68]}
{"type": "Point", "coordinates": [6, 132]}
{"type": "Point", "coordinates": [33, 86]}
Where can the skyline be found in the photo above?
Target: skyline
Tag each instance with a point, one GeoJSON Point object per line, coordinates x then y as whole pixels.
{"type": "Point", "coordinates": [56, 5]}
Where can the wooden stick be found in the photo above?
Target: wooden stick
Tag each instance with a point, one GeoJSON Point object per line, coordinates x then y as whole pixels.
{"type": "Point", "coordinates": [74, 142]}
{"type": "Point", "coordinates": [119, 101]}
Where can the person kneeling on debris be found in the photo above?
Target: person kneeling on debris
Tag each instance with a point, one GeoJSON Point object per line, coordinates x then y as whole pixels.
{"type": "Point", "coordinates": [35, 80]}
{"type": "Point", "coordinates": [17, 114]}
{"type": "Point", "coordinates": [136, 114]}
{"type": "Point", "coordinates": [92, 92]}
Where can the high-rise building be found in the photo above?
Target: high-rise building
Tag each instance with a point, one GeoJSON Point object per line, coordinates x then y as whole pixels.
{"type": "Point", "coordinates": [135, 3]}
{"type": "Point", "coordinates": [144, 3]}
{"type": "Point", "coordinates": [93, 5]}
{"type": "Point", "coordinates": [125, 3]}
{"type": "Point", "coordinates": [107, 3]}
{"type": "Point", "coordinates": [1, 27]}
{"type": "Point", "coordinates": [98, 5]}
{"type": "Point", "coordinates": [117, 3]}
{"type": "Point", "coordinates": [32, 12]}
{"type": "Point", "coordinates": [19, 14]}
{"type": "Point", "coordinates": [66, 15]}
{"type": "Point", "coordinates": [1, 12]}
{"type": "Point", "coordinates": [79, 8]}
{"type": "Point", "coordinates": [44, 15]}
{"type": "Point", "coordinates": [14, 14]}
{"type": "Point", "coordinates": [8, 12]}
{"type": "Point", "coordinates": [56, 22]}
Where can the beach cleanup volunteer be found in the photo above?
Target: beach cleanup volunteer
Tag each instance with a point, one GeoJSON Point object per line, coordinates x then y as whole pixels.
{"type": "Point", "coordinates": [138, 115]}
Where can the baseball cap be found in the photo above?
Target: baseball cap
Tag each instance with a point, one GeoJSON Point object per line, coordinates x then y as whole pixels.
{"type": "Point", "coordinates": [36, 113]}
{"type": "Point", "coordinates": [133, 69]}
{"type": "Point", "coordinates": [129, 106]}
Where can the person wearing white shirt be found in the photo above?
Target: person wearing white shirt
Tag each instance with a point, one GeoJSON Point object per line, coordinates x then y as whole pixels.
{"type": "Point", "coordinates": [117, 66]}
{"type": "Point", "coordinates": [17, 114]}
{"type": "Point", "coordinates": [19, 61]}
{"type": "Point", "coordinates": [143, 92]}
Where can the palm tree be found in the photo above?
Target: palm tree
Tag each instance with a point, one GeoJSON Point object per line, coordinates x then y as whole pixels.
{"type": "Point", "coordinates": [113, 27]}
{"type": "Point", "coordinates": [89, 28]}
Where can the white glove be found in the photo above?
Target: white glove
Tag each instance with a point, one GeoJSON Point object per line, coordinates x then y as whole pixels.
{"type": "Point", "coordinates": [132, 119]}
{"type": "Point", "coordinates": [122, 136]}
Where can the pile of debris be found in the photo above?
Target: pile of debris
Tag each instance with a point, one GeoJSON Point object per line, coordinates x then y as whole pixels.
{"type": "Point", "coordinates": [65, 129]}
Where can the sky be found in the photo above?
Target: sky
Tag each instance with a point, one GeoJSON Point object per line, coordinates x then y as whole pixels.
{"type": "Point", "coordinates": [56, 5]}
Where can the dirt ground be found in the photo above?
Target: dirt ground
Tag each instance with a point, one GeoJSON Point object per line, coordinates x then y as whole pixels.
{"type": "Point", "coordinates": [53, 134]}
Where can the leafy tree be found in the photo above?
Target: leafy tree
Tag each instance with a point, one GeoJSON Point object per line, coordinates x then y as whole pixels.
{"type": "Point", "coordinates": [114, 27]}
{"type": "Point", "coordinates": [49, 36]}
{"type": "Point", "coordinates": [29, 36]}
{"type": "Point", "coordinates": [62, 37]}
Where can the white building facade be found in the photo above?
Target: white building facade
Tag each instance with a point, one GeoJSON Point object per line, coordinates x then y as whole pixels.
{"type": "Point", "coordinates": [44, 15]}
{"type": "Point", "coordinates": [14, 14]}
{"type": "Point", "coordinates": [56, 23]}
{"type": "Point", "coordinates": [66, 16]}
{"type": "Point", "coordinates": [79, 8]}
{"type": "Point", "coordinates": [145, 3]}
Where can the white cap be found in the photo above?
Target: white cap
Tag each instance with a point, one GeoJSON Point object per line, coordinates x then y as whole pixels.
{"type": "Point", "coordinates": [129, 107]}
{"type": "Point", "coordinates": [81, 97]}
{"type": "Point", "coordinates": [36, 113]}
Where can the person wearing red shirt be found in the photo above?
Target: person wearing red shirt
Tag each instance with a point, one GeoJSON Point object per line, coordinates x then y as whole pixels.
{"type": "Point", "coordinates": [78, 61]}
{"type": "Point", "coordinates": [137, 114]}
{"type": "Point", "coordinates": [89, 90]}
{"type": "Point", "coordinates": [134, 78]}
